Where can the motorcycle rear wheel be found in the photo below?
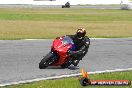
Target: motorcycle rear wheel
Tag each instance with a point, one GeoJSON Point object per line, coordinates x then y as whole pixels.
{"type": "Point", "coordinates": [45, 62]}
{"type": "Point", "coordinates": [66, 64]}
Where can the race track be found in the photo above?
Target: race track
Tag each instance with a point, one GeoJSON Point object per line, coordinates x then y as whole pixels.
{"type": "Point", "coordinates": [19, 58]}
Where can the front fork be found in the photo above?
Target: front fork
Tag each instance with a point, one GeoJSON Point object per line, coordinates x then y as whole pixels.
{"type": "Point", "coordinates": [54, 58]}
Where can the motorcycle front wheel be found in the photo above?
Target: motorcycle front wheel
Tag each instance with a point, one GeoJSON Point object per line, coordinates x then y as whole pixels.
{"type": "Point", "coordinates": [46, 61]}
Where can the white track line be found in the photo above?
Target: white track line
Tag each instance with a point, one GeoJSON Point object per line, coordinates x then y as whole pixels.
{"type": "Point", "coordinates": [62, 76]}
{"type": "Point", "coordinates": [90, 38]}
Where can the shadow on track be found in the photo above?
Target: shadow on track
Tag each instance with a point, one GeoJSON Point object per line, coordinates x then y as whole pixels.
{"type": "Point", "coordinates": [59, 67]}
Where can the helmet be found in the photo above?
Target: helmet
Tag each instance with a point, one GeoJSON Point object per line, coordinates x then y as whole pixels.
{"type": "Point", "coordinates": [80, 33]}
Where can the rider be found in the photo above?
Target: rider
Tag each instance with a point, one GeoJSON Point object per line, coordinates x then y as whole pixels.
{"type": "Point", "coordinates": [67, 4]}
{"type": "Point", "coordinates": [82, 43]}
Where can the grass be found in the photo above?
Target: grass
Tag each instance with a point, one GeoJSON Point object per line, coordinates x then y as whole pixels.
{"type": "Point", "coordinates": [74, 83]}
{"type": "Point", "coordinates": [57, 14]}
{"type": "Point", "coordinates": [45, 23]}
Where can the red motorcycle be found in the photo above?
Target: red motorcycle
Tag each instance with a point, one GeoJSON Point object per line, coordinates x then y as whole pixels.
{"type": "Point", "coordinates": [58, 56]}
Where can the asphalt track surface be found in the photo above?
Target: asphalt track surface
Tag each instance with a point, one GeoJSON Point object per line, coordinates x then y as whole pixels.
{"type": "Point", "coordinates": [19, 58]}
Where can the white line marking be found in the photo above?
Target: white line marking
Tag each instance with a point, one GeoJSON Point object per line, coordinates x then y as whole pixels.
{"type": "Point", "coordinates": [63, 76]}
{"type": "Point", "coordinates": [90, 38]}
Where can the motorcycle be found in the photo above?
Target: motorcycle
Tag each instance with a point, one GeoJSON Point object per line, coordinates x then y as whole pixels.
{"type": "Point", "coordinates": [58, 56]}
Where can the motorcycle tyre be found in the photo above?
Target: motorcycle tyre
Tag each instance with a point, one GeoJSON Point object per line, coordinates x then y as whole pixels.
{"type": "Point", "coordinates": [45, 61]}
{"type": "Point", "coordinates": [65, 65]}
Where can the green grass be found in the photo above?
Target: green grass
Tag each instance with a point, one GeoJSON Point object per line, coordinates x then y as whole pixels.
{"type": "Point", "coordinates": [18, 23]}
{"type": "Point", "coordinates": [83, 15]}
{"type": "Point", "coordinates": [74, 83]}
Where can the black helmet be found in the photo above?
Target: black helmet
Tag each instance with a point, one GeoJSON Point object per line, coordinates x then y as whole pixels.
{"type": "Point", "coordinates": [80, 33]}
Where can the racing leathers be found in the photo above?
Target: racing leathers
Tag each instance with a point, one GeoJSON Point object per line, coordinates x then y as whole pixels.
{"type": "Point", "coordinates": [82, 45]}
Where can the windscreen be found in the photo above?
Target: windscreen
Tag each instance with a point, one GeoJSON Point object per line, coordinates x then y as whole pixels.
{"type": "Point", "coordinates": [67, 40]}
